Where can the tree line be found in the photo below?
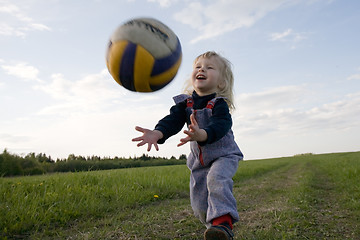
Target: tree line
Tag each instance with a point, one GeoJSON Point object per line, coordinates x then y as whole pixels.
{"type": "Point", "coordinates": [33, 164]}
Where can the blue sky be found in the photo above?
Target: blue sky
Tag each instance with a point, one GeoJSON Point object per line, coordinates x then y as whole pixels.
{"type": "Point", "coordinates": [296, 66]}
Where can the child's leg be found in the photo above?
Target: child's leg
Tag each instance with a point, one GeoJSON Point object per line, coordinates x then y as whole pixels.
{"type": "Point", "coordinates": [221, 200]}
{"type": "Point", "coordinates": [199, 193]}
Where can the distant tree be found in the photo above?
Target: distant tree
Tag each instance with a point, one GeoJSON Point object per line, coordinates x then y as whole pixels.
{"type": "Point", "coordinates": [10, 164]}
{"type": "Point", "coordinates": [80, 158]}
{"type": "Point", "coordinates": [182, 157]}
{"type": "Point", "coordinates": [31, 164]}
{"type": "Point", "coordinates": [41, 157]}
{"type": "Point", "coordinates": [71, 157]}
{"type": "Point", "coordinates": [95, 158]}
{"type": "Point", "coordinates": [145, 157]}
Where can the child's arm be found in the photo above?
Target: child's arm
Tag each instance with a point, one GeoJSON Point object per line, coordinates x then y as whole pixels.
{"type": "Point", "coordinates": [194, 133]}
{"type": "Point", "coordinates": [150, 137]}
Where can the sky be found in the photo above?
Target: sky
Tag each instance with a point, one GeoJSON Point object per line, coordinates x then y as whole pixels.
{"type": "Point", "coordinates": [296, 65]}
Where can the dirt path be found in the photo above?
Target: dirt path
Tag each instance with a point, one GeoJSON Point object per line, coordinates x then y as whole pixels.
{"type": "Point", "coordinates": [263, 202]}
{"type": "Point", "coordinates": [260, 204]}
{"type": "Point", "coordinates": [297, 201]}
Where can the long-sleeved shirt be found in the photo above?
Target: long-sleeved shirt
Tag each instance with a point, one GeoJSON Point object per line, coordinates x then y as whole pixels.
{"type": "Point", "coordinates": [219, 124]}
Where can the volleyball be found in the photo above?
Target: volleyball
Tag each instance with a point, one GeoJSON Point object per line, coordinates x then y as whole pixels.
{"type": "Point", "coordinates": [143, 55]}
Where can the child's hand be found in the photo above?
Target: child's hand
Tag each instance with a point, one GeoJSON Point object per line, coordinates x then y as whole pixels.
{"type": "Point", "coordinates": [194, 133]}
{"type": "Point", "coordinates": [149, 136]}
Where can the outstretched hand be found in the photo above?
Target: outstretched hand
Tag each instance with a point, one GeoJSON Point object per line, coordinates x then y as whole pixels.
{"type": "Point", "coordinates": [194, 133]}
{"type": "Point", "coordinates": [149, 137]}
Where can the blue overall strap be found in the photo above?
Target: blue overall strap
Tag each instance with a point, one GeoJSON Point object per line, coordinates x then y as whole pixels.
{"type": "Point", "coordinates": [180, 98]}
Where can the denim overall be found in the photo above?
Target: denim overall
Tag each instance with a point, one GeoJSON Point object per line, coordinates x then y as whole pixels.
{"type": "Point", "coordinates": [212, 167]}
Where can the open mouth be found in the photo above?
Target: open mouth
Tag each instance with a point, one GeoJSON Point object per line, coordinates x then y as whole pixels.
{"type": "Point", "coordinates": [200, 77]}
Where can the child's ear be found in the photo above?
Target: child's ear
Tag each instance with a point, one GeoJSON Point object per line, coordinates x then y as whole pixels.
{"type": "Point", "coordinates": [222, 85]}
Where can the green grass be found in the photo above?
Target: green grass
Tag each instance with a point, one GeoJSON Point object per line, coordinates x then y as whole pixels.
{"type": "Point", "coordinates": [310, 197]}
{"type": "Point", "coordinates": [302, 197]}
{"type": "Point", "coordinates": [31, 204]}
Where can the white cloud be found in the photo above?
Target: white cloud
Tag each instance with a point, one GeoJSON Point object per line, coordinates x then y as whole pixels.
{"type": "Point", "coordinates": [7, 30]}
{"type": "Point", "coordinates": [16, 22]}
{"type": "Point", "coordinates": [102, 133]}
{"type": "Point", "coordinates": [269, 98]}
{"type": "Point", "coordinates": [280, 36]}
{"type": "Point", "coordinates": [22, 70]}
{"type": "Point", "coordinates": [91, 93]}
{"type": "Point", "coordinates": [354, 77]}
{"type": "Point", "coordinates": [6, 7]}
{"type": "Point", "coordinates": [275, 111]}
{"type": "Point", "coordinates": [288, 35]}
{"type": "Point", "coordinates": [164, 3]}
{"type": "Point", "coordinates": [92, 115]}
{"type": "Point", "coordinates": [271, 123]}
{"type": "Point", "coordinates": [191, 15]}
{"type": "Point", "coordinates": [13, 138]}
{"type": "Point", "coordinates": [219, 17]}
{"type": "Point", "coordinates": [262, 112]}
{"type": "Point", "coordinates": [315, 1]}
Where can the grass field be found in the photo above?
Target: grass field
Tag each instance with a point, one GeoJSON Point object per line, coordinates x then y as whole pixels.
{"type": "Point", "coordinates": [301, 197]}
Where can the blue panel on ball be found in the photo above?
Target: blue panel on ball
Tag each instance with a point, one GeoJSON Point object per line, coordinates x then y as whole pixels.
{"type": "Point", "coordinates": [158, 87]}
{"type": "Point", "coordinates": [126, 73]}
{"type": "Point", "coordinates": [163, 64]}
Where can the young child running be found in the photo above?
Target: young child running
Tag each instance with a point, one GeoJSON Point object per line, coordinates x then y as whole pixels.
{"type": "Point", "coordinates": [214, 155]}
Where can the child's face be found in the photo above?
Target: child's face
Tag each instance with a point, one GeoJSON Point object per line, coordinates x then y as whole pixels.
{"type": "Point", "coordinates": [206, 77]}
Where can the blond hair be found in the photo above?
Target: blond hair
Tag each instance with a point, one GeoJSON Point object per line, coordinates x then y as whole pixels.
{"type": "Point", "coordinates": [226, 90]}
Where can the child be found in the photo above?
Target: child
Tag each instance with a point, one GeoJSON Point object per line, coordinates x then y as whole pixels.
{"type": "Point", "coordinates": [214, 155]}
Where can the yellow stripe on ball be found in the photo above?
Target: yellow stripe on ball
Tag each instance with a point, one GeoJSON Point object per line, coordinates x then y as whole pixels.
{"type": "Point", "coordinates": [166, 76]}
{"type": "Point", "coordinates": [143, 65]}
